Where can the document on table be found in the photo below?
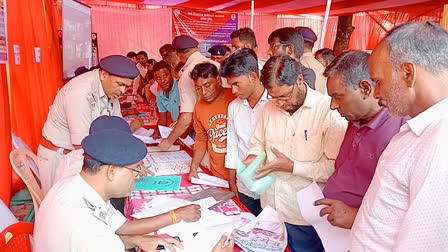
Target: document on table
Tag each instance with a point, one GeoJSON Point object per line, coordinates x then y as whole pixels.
{"type": "Point", "coordinates": [163, 204]}
{"type": "Point", "coordinates": [172, 156]}
{"type": "Point", "coordinates": [334, 239]}
{"type": "Point", "coordinates": [166, 131]}
{"type": "Point", "coordinates": [205, 179]}
{"type": "Point", "coordinates": [158, 183]}
{"type": "Point", "coordinates": [145, 135]}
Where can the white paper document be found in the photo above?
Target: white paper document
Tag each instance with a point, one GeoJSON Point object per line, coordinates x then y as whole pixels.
{"type": "Point", "coordinates": [170, 156]}
{"type": "Point", "coordinates": [205, 179]}
{"type": "Point", "coordinates": [145, 135]}
{"type": "Point", "coordinates": [166, 131]}
{"type": "Point", "coordinates": [334, 239]}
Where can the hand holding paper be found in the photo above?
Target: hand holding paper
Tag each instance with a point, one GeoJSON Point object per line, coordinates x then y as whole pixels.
{"type": "Point", "coordinates": [280, 163]}
{"type": "Point", "coordinates": [339, 213]}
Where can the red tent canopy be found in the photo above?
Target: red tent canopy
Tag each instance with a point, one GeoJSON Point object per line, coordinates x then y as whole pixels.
{"type": "Point", "coordinates": [316, 7]}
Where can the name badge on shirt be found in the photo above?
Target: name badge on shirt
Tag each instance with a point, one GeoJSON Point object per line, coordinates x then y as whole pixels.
{"type": "Point", "coordinates": [100, 213]}
{"type": "Point", "coordinates": [92, 101]}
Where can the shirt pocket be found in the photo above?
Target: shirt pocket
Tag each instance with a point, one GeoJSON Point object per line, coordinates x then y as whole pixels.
{"type": "Point", "coordinates": [307, 146]}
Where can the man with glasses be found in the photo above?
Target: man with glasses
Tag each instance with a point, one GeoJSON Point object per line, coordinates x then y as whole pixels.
{"type": "Point", "coordinates": [301, 137]}
{"type": "Point", "coordinates": [288, 42]}
{"type": "Point", "coordinates": [76, 214]}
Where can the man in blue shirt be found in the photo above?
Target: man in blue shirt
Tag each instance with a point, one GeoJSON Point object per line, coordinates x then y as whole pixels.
{"type": "Point", "coordinates": [167, 97]}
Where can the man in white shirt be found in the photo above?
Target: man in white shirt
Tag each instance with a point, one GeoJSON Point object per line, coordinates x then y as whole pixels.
{"type": "Point", "coordinates": [301, 137]}
{"type": "Point", "coordinates": [242, 74]}
{"type": "Point", "coordinates": [404, 208]}
{"type": "Point", "coordinates": [76, 214]}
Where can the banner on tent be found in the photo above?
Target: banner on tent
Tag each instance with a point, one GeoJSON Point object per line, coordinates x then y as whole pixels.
{"type": "Point", "coordinates": [208, 27]}
{"type": "Point", "coordinates": [3, 47]}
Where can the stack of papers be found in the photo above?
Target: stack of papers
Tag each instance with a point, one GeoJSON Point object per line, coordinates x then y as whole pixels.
{"type": "Point", "coordinates": [205, 179]}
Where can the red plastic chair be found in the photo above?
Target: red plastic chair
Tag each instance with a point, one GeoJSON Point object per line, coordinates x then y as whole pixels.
{"type": "Point", "coordinates": [16, 238]}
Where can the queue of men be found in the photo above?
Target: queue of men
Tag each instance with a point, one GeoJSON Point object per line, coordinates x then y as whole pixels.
{"type": "Point", "coordinates": [371, 130]}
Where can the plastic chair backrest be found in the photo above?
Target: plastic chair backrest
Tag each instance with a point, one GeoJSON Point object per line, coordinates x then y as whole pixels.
{"type": "Point", "coordinates": [16, 238]}
{"type": "Point", "coordinates": [20, 161]}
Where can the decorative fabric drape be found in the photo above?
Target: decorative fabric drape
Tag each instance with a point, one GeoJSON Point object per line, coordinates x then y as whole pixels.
{"type": "Point", "coordinates": [33, 85]}
{"type": "Point", "coordinates": [121, 30]}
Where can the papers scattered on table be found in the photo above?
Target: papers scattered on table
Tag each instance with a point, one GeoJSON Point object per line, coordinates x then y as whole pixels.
{"type": "Point", "coordinates": [334, 239]}
{"type": "Point", "coordinates": [166, 131]}
{"type": "Point", "coordinates": [163, 204]}
{"type": "Point", "coordinates": [173, 156]}
{"type": "Point", "coordinates": [145, 135]}
{"type": "Point", "coordinates": [205, 179]}
{"type": "Point", "coordinates": [158, 183]}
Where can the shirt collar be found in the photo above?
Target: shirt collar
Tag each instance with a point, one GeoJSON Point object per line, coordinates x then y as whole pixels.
{"type": "Point", "coordinates": [173, 88]}
{"type": "Point", "coordinates": [99, 86]}
{"type": "Point", "coordinates": [263, 98]}
{"type": "Point", "coordinates": [193, 57]}
{"type": "Point", "coordinates": [308, 54]}
{"type": "Point", "coordinates": [311, 97]}
{"type": "Point", "coordinates": [89, 193]}
{"type": "Point", "coordinates": [379, 118]}
{"type": "Point", "coordinates": [419, 123]}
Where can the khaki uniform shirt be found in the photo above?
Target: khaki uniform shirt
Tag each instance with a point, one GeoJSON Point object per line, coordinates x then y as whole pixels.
{"type": "Point", "coordinates": [76, 105]}
{"type": "Point", "coordinates": [74, 217]}
{"type": "Point", "coordinates": [309, 61]}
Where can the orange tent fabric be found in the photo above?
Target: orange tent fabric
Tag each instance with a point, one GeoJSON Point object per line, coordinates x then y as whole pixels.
{"type": "Point", "coordinates": [33, 84]}
{"type": "Point", "coordinates": [5, 135]}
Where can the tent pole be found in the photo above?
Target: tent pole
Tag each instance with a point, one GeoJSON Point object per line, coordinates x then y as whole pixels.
{"type": "Point", "coordinates": [324, 27]}
{"type": "Point", "coordinates": [252, 10]}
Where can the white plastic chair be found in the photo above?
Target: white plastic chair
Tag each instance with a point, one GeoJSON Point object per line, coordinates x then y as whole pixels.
{"type": "Point", "coordinates": [21, 162]}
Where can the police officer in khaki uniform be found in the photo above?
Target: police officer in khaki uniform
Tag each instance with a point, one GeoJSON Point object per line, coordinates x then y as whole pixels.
{"type": "Point", "coordinates": [76, 105]}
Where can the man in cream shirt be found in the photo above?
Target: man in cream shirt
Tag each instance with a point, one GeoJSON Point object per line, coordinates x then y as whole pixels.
{"type": "Point", "coordinates": [301, 137]}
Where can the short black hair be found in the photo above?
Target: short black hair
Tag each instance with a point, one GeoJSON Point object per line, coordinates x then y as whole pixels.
{"type": "Point", "coordinates": [152, 61]}
{"type": "Point", "coordinates": [240, 62]}
{"type": "Point", "coordinates": [91, 165]}
{"type": "Point", "coordinates": [160, 65]}
{"type": "Point", "coordinates": [143, 53]}
{"type": "Point", "coordinates": [289, 35]}
{"type": "Point", "coordinates": [245, 35]}
{"type": "Point", "coordinates": [131, 54]}
{"type": "Point", "coordinates": [204, 70]}
{"type": "Point", "coordinates": [326, 54]}
{"type": "Point", "coordinates": [308, 44]}
{"type": "Point", "coordinates": [166, 48]}
{"type": "Point", "coordinates": [280, 70]}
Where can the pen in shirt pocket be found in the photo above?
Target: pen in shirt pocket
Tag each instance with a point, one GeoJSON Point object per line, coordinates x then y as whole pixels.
{"type": "Point", "coordinates": [305, 132]}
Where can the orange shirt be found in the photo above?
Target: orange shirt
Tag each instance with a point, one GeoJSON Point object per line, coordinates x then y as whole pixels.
{"type": "Point", "coordinates": [210, 124]}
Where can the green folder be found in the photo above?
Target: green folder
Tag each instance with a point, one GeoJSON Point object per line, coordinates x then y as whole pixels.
{"type": "Point", "coordinates": [158, 183]}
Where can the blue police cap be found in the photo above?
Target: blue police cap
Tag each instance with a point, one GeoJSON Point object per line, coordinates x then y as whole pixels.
{"type": "Point", "coordinates": [109, 122]}
{"type": "Point", "coordinates": [120, 66]}
{"type": "Point", "coordinates": [218, 50]}
{"type": "Point", "coordinates": [114, 147]}
{"type": "Point", "coordinates": [307, 33]}
{"type": "Point", "coordinates": [184, 42]}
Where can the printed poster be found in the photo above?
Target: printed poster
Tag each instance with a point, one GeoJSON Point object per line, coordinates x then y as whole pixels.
{"type": "Point", "coordinates": [208, 27]}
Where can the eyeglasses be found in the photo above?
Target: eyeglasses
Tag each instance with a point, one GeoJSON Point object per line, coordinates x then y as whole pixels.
{"type": "Point", "coordinates": [138, 170]}
{"type": "Point", "coordinates": [273, 45]}
{"type": "Point", "coordinates": [285, 96]}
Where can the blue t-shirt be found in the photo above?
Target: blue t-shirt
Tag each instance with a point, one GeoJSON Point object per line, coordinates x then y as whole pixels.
{"type": "Point", "coordinates": [170, 103]}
